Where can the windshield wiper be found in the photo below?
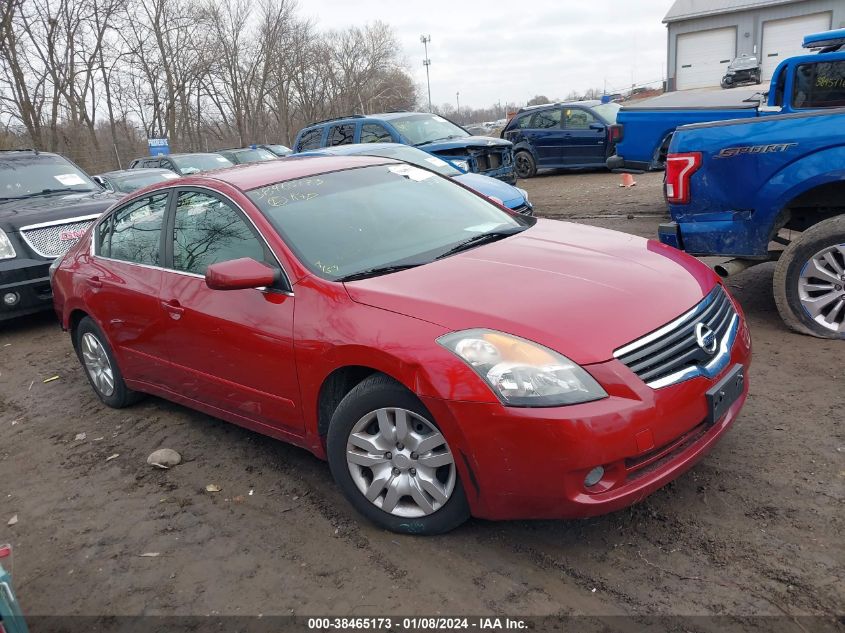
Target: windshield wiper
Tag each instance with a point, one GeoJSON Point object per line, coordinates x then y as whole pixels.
{"type": "Point", "coordinates": [378, 270]}
{"type": "Point", "coordinates": [482, 238]}
{"type": "Point", "coordinates": [435, 140]}
{"type": "Point", "coordinates": [45, 192]}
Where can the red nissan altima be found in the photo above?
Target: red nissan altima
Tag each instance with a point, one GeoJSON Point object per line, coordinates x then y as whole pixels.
{"type": "Point", "coordinates": [447, 357]}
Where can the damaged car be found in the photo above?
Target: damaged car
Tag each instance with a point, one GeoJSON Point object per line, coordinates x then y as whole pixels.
{"type": "Point", "coordinates": [429, 132]}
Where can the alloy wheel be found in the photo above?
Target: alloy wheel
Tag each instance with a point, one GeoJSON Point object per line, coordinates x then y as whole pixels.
{"type": "Point", "coordinates": [97, 364]}
{"type": "Point", "coordinates": [401, 462]}
{"type": "Point", "coordinates": [821, 287]}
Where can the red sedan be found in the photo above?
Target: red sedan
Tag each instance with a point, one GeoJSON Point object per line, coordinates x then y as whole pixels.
{"type": "Point", "coordinates": [446, 356]}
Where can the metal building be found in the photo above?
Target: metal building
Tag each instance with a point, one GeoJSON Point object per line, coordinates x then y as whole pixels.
{"type": "Point", "coordinates": [705, 35]}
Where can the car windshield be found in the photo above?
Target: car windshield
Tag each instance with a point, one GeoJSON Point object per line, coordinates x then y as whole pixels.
{"type": "Point", "coordinates": [415, 157]}
{"type": "Point", "coordinates": [195, 163]}
{"type": "Point", "coordinates": [135, 181]}
{"type": "Point", "coordinates": [255, 155]}
{"type": "Point", "coordinates": [346, 222]}
{"type": "Point", "coordinates": [608, 111]}
{"type": "Point", "coordinates": [425, 128]}
{"type": "Point", "coordinates": [41, 174]}
{"type": "Point", "coordinates": [279, 150]}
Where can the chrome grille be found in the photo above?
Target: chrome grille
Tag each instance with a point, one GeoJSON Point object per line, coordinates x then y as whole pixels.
{"type": "Point", "coordinates": [53, 239]}
{"type": "Point", "coordinates": [671, 354]}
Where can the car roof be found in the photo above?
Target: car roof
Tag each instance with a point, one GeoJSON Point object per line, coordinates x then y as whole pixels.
{"type": "Point", "coordinates": [178, 155]}
{"type": "Point", "coordinates": [134, 172]}
{"type": "Point", "coordinates": [383, 116]}
{"type": "Point", "coordinates": [25, 151]}
{"type": "Point", "coordinates": [587, 103]}
{"type": "Point", "coordinates": [252, 175]}
{"type": "Point", "coordinates": [351, 149]}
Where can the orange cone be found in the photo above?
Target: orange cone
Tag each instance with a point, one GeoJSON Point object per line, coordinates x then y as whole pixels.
{"type": "Point", "coordinates": [627, 180]}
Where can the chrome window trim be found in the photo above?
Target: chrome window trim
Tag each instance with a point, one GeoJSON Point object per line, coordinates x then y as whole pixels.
{"type": "Point", "coordinates": [672, 325]}
{"type": "Point", "coordinates": [43, 225]}
{"type": "Point", "coordinates": [711, 369]}
{"type": "Point", "coordinates": [168, 190]}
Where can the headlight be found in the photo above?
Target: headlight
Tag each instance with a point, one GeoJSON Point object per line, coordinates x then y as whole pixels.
{"type": "Point", "coordinates": [463, 165]}
{"type": "Point", "coordinates": [7, 251]}
{"type": "Point", "coordinates": [522, 373]}
{"type": "Point", "coordinates": [523, 192]}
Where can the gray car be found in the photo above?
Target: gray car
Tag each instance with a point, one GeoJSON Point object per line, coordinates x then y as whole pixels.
{"type": "Point", "coordinates": [125, 181]}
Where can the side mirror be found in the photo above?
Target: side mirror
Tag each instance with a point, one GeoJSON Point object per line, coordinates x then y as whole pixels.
{"type": "Point", "coordinates": [597, 126]}
{"type": "Point", "coordinates": [239, 274]}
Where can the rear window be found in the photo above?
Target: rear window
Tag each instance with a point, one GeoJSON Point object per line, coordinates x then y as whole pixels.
{"type": "Point", "coordinates": [819, 85]}
{"type": "Point", "coordinates": [310, 139]}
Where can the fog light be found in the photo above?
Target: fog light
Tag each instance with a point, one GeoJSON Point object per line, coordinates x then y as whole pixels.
{"type": "Point", "coordinates": [594, 476]}
{"type": "Point", "coordinates": [11, 299]}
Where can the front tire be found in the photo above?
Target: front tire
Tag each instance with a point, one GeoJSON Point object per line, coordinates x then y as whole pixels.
{"type": "Point", "coordinates": [525, 165]}
{"type": "Point", "coordinates": [100, 366]}
{"type": "Point", "coordinates": [392, 463]}
{"type": "Point", "coordinates": [809, 281]}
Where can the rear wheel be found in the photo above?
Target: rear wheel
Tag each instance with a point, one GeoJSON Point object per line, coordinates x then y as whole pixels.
{"type": "Point", "coordinates": [525, 165]}
{"type": "Point", "coordinates": [809, 282]}
{"type": "Point", "coordinates": [392, 462]}
{"type": "Point", "coordinates": [100, 366]}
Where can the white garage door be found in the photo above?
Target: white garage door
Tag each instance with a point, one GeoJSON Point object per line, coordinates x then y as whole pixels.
{"type": "Point", "coordinates": [782, 38]}
{"type": "Point", "coordinates": [703, 57]}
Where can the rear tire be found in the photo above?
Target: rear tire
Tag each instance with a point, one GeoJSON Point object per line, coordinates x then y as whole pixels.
{"type": "Point", "coordinates": [810, 277]}
{"type": "Point", "coordinates": [525, 165]}
{"type": "Point", "coordinates": [100, 366]}
{"type": "Point", "coordinates": [366, 425]}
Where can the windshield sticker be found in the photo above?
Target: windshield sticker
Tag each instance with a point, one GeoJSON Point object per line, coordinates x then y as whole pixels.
{"type": "Point", "coordinates": [169, 176]}
{"type": "Point", "coordinates": [221, 159]}
{"type": "Point", "coordinates": [68, 180]}
{"type": "Point", "coordinates": [435, 161]}
{"type": "Point", "coordinates": [439, 118]}
{"type": "Point", "coordinates": [410, 172]}
{"type": "Point", "coordinates": [483, 228]}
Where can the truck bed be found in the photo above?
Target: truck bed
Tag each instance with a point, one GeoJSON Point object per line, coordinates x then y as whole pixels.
{"type": "Point", "coordinates": [699, 99]}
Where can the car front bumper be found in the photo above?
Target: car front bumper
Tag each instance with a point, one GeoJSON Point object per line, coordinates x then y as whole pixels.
{"type": "Point", "coordinates": [530, 463]}
{"type": "Point", "coordinates": [26, 285]}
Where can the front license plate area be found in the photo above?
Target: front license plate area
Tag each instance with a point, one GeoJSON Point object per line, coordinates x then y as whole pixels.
{"type": "Point", "coordinates": [723, 394]}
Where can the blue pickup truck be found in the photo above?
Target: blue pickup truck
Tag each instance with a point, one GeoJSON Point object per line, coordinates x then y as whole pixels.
{"type": "Point", "coordinates": [746, 189]}
{"type": "Point", "coordinates": [645, 128]}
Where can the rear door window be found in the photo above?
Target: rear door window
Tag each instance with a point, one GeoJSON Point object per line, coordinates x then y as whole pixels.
{"type": "Point", "coordinates": [133, 233]}
{"type": "Point", "coordinates": [546, 119]}
{"type": "Point", "coordinates": [819, 85]}
{"type": "Point", "coordinates": [375, 133]}
{"type": "Point", "coordinates": [341, 134]}
{"type": "Point", "coordinates": [310, 139]}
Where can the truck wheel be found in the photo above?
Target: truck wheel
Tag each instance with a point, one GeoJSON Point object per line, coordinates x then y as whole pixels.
{"type": "Point", "coordinates": [809, 282]}
{"type": "Point", "coordinates": [525, 165]}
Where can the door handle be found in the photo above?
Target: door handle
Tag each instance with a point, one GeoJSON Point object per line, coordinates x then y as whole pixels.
{"type": "Point", "coordinates": [95, 282]}
{"type": "Point", "coordinates": [174, 308]}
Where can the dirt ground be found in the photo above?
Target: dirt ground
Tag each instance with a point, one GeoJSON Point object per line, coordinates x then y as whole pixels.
{"type": "Point", "coordinates": [754, 529]}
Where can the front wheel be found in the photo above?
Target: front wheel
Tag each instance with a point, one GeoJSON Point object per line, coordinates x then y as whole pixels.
{"type": "Point", "coordinates": [526, 166]}
{"type": "Point", "coordinates": [809, 281]}
{"type": "Point", "coordinates": [391, 461]}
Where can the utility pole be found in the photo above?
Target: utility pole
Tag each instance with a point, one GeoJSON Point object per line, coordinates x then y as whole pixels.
{"type": "Point", "coordinates": [425, 39]}
{"type": "Point", "coordinates": [458, 98]}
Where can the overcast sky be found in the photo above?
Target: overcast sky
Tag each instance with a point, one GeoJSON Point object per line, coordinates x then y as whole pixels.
{"type": "Point", "coordinates": [510, 50]}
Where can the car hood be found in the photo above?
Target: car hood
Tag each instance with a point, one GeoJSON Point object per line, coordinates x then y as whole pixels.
{"type": "Point", "coordinates": [481, 142]}
{"type": "Point", "coordinates": [17, 213]}
{"type": "Point", "coordinates": [580, 290]}
{"type": "Point", "coordinates": [508, 194]}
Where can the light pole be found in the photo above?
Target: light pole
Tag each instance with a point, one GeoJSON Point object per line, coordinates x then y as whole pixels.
{"type": "Point", "coordinates": [458, 98]}
{"type": "Point", "coordinates": [425, 39]}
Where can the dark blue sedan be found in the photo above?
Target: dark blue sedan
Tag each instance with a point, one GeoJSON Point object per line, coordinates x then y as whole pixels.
{"type": "Point", "coordinates": [574, 135]}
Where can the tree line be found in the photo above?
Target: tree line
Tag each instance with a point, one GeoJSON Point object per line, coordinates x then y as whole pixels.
{"type": "Point", "coordinates": [93, 79]}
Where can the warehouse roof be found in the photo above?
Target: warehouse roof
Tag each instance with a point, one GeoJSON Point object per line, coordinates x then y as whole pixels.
{"type": "Point", "coordinates": [686, 9]}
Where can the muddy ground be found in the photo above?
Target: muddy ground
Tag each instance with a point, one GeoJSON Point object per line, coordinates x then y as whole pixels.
{"type": "Point", "coordinates": [755, 529]}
